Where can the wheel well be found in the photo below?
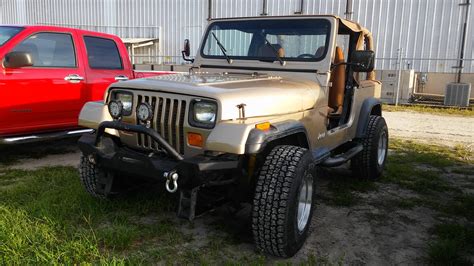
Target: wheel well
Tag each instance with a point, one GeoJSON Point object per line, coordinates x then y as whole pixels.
{"type": "Point", "coordinates": [376, 110]}
{"type": "Point", "coordinates": [297, 139]}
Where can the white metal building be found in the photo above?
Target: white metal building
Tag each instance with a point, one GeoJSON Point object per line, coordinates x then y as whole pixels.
{"type": "Point", "coordinates": [428, 32]}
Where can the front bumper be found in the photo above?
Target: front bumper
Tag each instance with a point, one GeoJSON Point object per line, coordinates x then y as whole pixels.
{"type": "Point", "coordinates": [110, 154]}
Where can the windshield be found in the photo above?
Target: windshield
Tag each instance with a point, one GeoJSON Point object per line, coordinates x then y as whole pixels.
{"type": "Point", "coordinates": [268, 39]}
{"type": "Point", "coordinates": [6, 33]}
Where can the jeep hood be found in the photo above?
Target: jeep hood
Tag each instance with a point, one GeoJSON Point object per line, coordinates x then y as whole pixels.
{"type": "Point", "coordinates": [263, 95]}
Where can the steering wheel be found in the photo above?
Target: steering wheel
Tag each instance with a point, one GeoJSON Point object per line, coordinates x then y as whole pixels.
{"type": "Point", "coordinates": [306, 56]}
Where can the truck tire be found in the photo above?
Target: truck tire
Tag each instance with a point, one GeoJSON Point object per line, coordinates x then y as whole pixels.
{"type": "Point", "coordinates": [370, 162]}
{"type": "Point", "coordinates": [95, 181]}
{"type": "Point", "coordinates": [283, 201]}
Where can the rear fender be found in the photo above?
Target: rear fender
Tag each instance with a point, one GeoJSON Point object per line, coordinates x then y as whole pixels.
{"type": "Point", "coordinates": [371, 106]}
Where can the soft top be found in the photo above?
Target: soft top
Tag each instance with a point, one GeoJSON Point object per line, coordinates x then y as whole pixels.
{"type": "Point", "coordinates": [353, 26]}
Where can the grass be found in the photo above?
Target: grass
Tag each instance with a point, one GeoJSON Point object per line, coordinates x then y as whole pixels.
{"type": "Point", "coordinates": [424, 170]}
{"type": "Point", "coordinates": [412, 165]}
{"type": "Point", "coordinates": [437, 192]}
{"type": "Point", "coordinates": [418, 167]}
{"type": "Point", "coordinates": [47, 218]}
{"type": "Point", "coordinates": [344, 190]}
{"type": "Point", "coordinates": [452, 243]}
{"type": "Point", "coordinates": [430, 109]}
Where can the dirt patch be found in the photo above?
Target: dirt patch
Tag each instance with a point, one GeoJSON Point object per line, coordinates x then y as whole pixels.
{"type": "Point", "coordinates": [373, 232]}
{"type": "Point", "coordinates": [67, 159]}
{"type": "Point", "coordinates": [63, 152]}
{"type": "Point", "coordinates": [429, 128]}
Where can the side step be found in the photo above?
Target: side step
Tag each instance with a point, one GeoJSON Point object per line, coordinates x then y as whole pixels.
{"type": "Point", "coordinates": [342, 158]}
{"type": "Point", "coordinates": [44, 136]}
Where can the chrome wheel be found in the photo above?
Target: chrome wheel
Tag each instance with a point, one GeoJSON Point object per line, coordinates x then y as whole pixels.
{"type": "Point", "coordinates": [305, 197]}
{"type": "Point", "coordinates": [382, 148]}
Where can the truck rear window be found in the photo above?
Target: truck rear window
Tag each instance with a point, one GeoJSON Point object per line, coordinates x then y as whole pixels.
{"type": "Point", "coordinates": [102, 53]}
{"type": "Point", "coordinates": [6, 33]}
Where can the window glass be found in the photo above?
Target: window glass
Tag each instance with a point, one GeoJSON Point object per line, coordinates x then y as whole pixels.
{"type": "Point", "coordinates": [238, 43]}
{"type": "Point", "coordinates": [293, 40]}
{"type": "Point", "coordinates": [6, 33]}
{"type": "Point", "coordinates": [102, 53]}
{"type": "Point", "coordinates": [49, 49]}
{"type": "Point", "coordinates": [295, 45]}
{"type": "Point", "coordinates": [343, 41]}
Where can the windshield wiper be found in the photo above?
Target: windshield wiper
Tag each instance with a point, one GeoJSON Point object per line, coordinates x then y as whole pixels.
{"type": "Point", "coordinates": [275, 52]}
{"type": "Point", "coordinates": [223, 50]}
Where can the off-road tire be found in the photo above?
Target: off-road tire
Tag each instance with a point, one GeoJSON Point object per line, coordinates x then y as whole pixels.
{"type": "Point", "coordinates": [97, 182]}
{"type": "Point", "coordinates": [365, 165]}
{"type": "Point", "coordinates": [275, 204]}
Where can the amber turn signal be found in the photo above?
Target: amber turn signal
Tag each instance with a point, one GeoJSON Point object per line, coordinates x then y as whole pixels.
{"type": "Point", "coordinates": [263, 126]}
{"type": "Point", "coordinates": [195, 139]}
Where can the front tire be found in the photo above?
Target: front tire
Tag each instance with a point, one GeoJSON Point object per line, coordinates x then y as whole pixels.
{"type": "Point", "coordinates": [283, 201]}
{"type": "Point", "coordinates": [97, 182]}
{"type": "Point", "coordinates": [370, 162]}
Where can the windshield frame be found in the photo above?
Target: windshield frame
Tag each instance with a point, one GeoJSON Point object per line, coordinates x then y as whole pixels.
{"type": "Point", "coordinates": [207, 35]}
{"type": "Point", "coordinates": [11, 37]}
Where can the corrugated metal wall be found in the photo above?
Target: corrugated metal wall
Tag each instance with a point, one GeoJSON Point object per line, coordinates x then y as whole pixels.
{"type": "Point", "coordinates": [428, 31]}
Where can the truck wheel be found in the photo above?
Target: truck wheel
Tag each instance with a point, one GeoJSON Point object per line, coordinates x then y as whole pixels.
{"type": "Point", "coordinates": [96, 181]}
{"type": "Point", "coordinates": [369, 163]}
{"type": "Point", "coordinates": [283, 201]}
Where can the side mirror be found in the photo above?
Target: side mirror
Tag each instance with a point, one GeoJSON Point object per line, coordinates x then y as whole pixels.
{"type": "Point", "coordinates": [17, 60]}
{"type": "Point", "coordinates": [363, 61]}
{"type": "Point", "coordinates": [187, 47]}
{"type": "Point", "coordinates": [187, 51]}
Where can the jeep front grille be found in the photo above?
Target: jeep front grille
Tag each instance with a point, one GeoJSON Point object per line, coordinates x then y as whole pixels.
{"type": "Point", "coordinates": [168, 121]}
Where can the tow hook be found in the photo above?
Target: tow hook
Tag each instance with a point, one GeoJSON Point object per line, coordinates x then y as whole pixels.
{"type": "Point", "coordinates": [171, 177]}
{"type": "Point", "coordinates": [91, 159]}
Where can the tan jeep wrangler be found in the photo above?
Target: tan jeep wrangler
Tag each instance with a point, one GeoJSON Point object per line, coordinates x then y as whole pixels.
{"type": "Point", "coordinates": [266, 101]}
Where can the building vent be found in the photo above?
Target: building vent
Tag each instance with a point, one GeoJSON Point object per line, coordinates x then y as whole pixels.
{"type": "Point", "coordinates": [457, 94]}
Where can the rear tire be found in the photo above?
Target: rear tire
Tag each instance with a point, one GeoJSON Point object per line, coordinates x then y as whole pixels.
{"type": "Point", "coordinates": [284, 201]}
{"type": "Point", "coordinates": [97, 182]}
{"type": "Point", "coordinates": [370, 162]}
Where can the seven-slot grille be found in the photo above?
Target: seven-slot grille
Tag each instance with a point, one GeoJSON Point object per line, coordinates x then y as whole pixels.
{"type": "Point", "coordinates": [168, 121]}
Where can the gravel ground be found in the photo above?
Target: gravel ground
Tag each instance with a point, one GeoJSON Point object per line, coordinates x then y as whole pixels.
{"type": "Point", "coordinates": [440, 129]}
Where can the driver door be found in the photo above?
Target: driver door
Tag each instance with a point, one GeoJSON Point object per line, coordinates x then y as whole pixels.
{"type": "Point", "coordinates": [47, 95]}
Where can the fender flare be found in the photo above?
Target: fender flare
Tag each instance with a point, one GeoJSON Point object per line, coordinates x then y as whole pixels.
{"type": "Point", "coordinates": [258, 139]}
{"type": "Point", "coordinates": [371, 106]}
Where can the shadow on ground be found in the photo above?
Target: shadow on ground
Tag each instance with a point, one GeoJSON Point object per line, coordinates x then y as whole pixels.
{"type": "Point", "coordinates": [11, 154]}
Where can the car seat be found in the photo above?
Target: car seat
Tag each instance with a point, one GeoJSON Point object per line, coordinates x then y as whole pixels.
{"type": "Point", "coordinates": [267, 50]}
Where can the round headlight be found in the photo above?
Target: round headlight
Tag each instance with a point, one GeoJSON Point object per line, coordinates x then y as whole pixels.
{"type": "Point", "coordinates": [144, 112]}
{"type": "Point", "coordinates": [115, 109]}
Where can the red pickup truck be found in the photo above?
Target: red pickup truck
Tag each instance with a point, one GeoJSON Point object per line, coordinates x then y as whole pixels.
{"type": "Point", "coordinates": [48, 73]}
